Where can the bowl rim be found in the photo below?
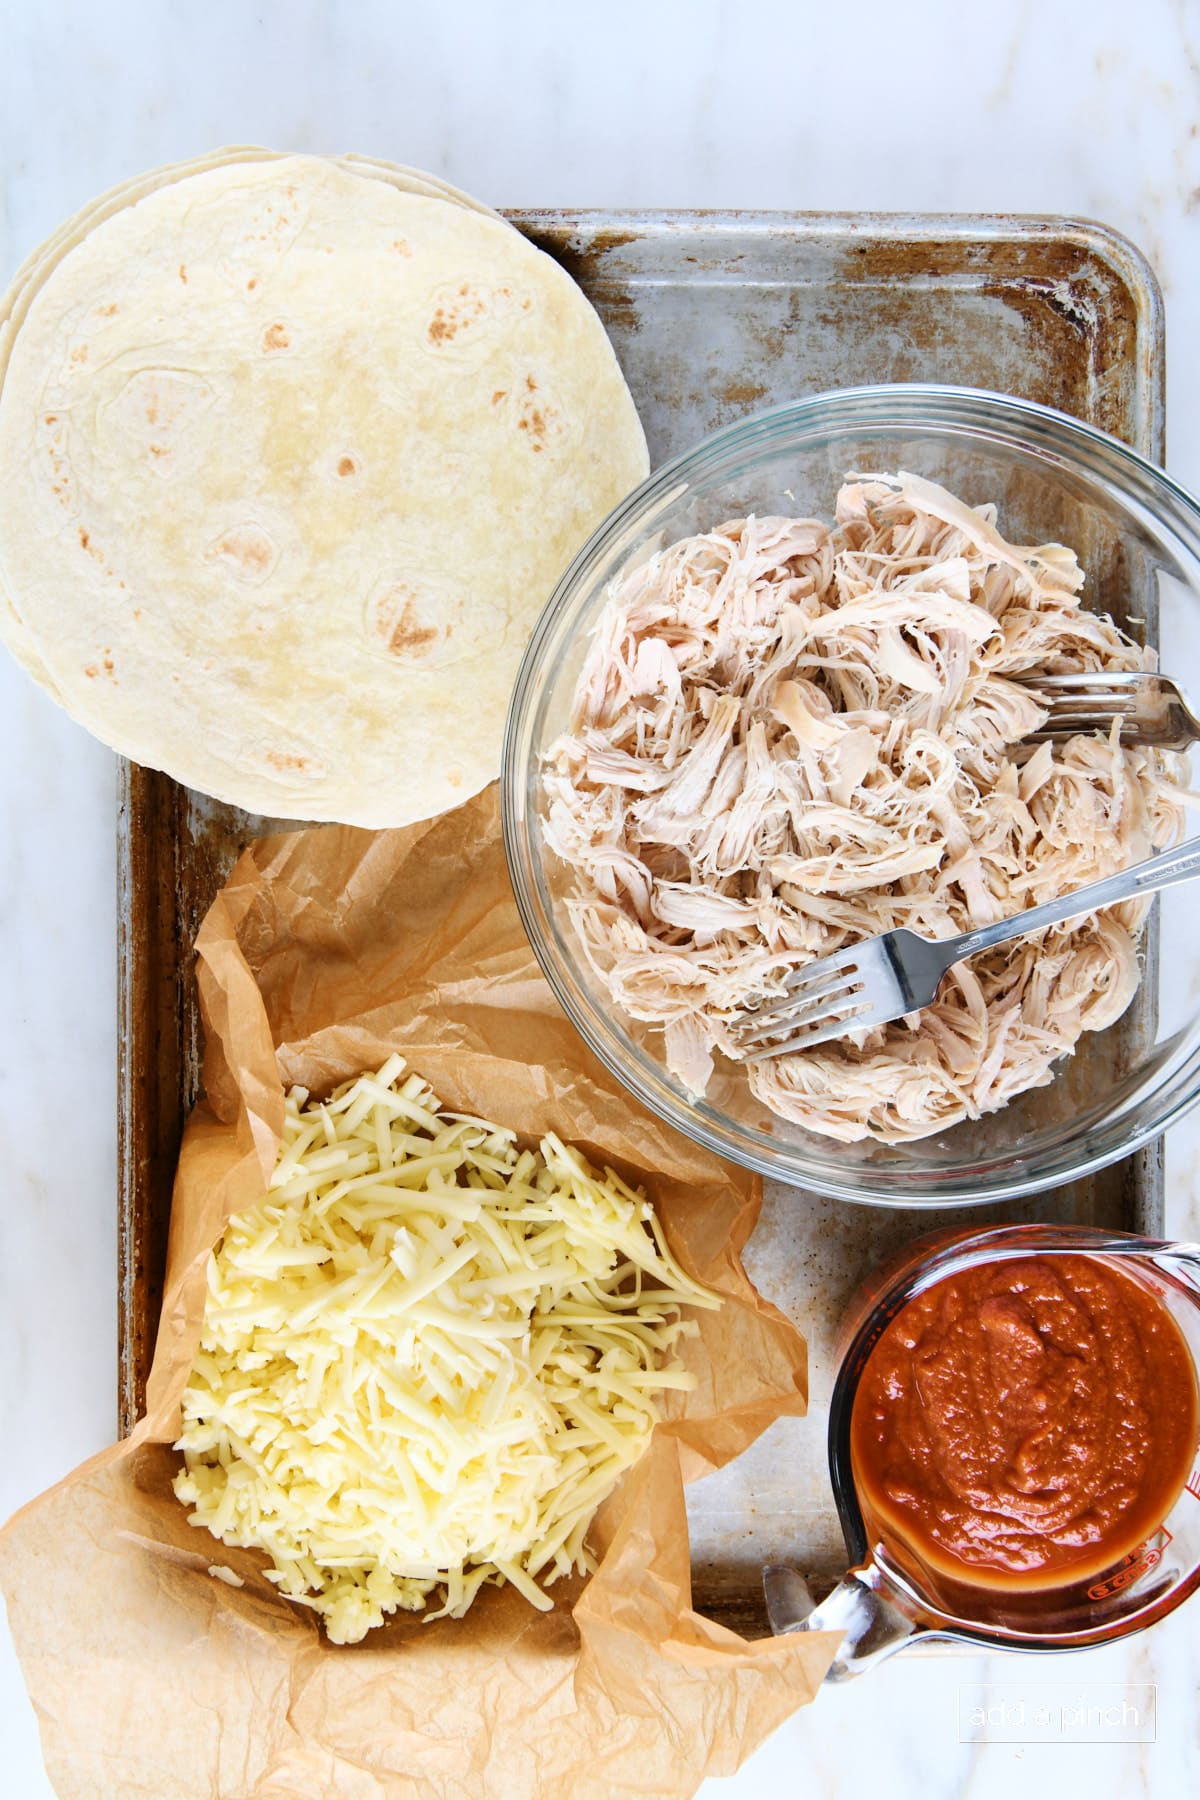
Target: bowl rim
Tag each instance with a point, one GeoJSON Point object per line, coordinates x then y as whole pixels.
{"type": "Point", "coordinates": [980, 414]}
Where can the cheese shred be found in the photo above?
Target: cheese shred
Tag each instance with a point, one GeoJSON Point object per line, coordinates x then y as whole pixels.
{"type": "Point", "coordinates": [427, 1356]}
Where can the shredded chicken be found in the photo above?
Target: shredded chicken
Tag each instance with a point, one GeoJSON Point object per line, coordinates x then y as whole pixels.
{"type": "Point", "coordinates": [788, 737]}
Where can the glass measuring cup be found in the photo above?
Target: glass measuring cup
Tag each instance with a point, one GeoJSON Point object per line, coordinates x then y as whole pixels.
{"type": "Point", "coordinates": [887, 1599]}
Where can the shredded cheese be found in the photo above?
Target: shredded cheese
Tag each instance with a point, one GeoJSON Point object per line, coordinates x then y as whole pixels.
{"type": "Point", "coordinates": [427, 1356]}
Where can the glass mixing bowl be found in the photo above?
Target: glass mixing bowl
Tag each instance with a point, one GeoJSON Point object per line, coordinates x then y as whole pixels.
{"type": "Point", "coordinates": [1137, 534]}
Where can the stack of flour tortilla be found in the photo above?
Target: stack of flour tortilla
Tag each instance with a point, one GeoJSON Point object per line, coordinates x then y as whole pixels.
{"type": "Point", "coordinates": [294, 451]}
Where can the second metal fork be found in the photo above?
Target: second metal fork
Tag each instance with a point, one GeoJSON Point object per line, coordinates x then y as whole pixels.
{"type": "Point", "coordinates": [1151, 708]}
{"type": "Point", "coordinates": [884, 977]}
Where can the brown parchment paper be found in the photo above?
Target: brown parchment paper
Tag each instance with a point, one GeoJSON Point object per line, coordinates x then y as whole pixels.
{"type": "Point", "coordinates": [327, 950]}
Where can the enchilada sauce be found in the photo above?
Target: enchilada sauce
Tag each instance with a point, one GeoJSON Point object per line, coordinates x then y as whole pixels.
{"type": "Point", "coordinates": [1026, 1423]}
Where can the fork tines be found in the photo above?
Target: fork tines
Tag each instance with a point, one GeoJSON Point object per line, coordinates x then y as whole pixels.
{"type": "Point", "coordinates": [1090, 693]}
{"type": "Point", "coordinates": [826, 1000]}
{"type": "Point", "coordinates": [1089, 702]}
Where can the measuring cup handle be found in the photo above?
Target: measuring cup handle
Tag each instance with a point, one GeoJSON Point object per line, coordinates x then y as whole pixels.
{"type": "Point", "coordinates": [860, 1606]}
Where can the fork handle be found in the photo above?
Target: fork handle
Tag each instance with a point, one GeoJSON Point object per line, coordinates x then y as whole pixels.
{"type": "Point", "coordinates": [1180, 864]}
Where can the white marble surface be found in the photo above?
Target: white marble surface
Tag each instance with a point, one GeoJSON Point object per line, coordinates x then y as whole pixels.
{"type": "Point", "coordinates": [1046, 107]}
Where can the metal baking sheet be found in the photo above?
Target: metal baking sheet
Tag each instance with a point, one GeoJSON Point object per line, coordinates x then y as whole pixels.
{"type": "Point", "coordinates": [713, 316]}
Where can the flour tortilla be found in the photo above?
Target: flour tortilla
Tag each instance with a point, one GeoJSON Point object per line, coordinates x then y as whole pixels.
{"type": "Point", "coordinates": [38, 266]}
{"type": "Point", "coordinates": [295, 449]}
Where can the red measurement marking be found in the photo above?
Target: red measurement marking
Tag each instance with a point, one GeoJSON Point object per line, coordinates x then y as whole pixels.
{"type": "Point", "coordinates": [1139, 1562]}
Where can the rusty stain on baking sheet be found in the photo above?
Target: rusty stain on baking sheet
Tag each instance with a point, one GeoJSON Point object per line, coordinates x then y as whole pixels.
{"type": "Point", "coordinates": [713, 316]}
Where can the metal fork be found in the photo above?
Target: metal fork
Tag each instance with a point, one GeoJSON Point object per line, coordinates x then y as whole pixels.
{"type": "Point", "coordinates": [884, 977]}
{"type": "Point", "coordinates": [1151, 708]}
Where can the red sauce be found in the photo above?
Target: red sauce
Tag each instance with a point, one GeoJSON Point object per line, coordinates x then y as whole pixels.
{"type": "Point", "coordinates": [1026, 1423]}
